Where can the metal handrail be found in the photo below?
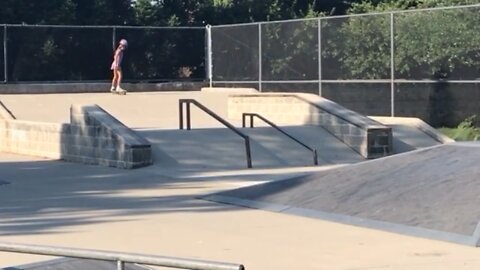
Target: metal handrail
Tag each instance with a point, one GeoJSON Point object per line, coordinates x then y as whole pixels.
{"type": "Point", "coordinates": [187, 102]}
{"type": "Point", "coordinates": [252, 115]}
{"type": "Point", "coordinates": [118, 257]}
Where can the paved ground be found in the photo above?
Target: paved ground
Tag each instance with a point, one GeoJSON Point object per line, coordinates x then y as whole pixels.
{"type": "Point", "coordinates": [57, 203]}
{"type": "Point", "coordinates": [432, 192]}
{"type": "Point", "coordinates": [136, 110]}
{"type": "Point", "coordinates": [156, 211]}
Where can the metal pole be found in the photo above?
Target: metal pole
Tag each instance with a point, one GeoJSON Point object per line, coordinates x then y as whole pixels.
{"type": "Point", "coordinates": [260, 57]}
{"type": "Point", "coordinates": [120, 265]}
{"type": "Point", "coordinates": [392, 66]}
{"type": "Point", "coordinates": [180, 110]}
{"type": "Point", "coordinates": [249, 155]}
{"type": "Point", "coordinates": [114, 38]}
{"type": "Point", "coordinates": [5, 56]}
{"type": "Point", "coordinates": [320, 57]}
{"type": "Point", "coordinates": [169, 262]}
{"type": "Point", "coordinates": [209, 55]}
{"type": "Point", "coordinates": [188, 117]}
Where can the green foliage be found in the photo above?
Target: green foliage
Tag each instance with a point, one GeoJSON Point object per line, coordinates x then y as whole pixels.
{"type": "Point", "coordinates": [467, 130]}
{"type": "Point", "coordinates": [431, 44]}
{"type": "Point", "coordinates": [37, 11]}
{"type": "Point", "coordinates": [428, 44]}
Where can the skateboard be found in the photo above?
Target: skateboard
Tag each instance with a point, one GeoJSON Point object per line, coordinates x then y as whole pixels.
{"type": "Point", "coordinates": [120, 92]}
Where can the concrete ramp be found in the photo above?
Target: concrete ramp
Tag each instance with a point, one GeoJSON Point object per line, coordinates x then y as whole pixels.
{"type": "Point", "coordinates": [411, 133]}
{"type": "Point", "coordinates": [432, 193]}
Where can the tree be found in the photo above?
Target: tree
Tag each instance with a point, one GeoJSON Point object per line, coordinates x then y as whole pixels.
{"type": "Point", "coordinates": [103, 12]}
{"type": "Point", "coordinates": [430, 44]}
{"type": "Point", "coordinates": [37, 11]}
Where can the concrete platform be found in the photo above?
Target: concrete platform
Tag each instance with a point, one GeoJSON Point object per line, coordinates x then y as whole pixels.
{"type": "Point", "coordinates": [156, 116]}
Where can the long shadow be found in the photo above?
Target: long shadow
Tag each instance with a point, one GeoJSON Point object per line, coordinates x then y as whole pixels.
{"type": "Point", "coordinates": [50, 196]}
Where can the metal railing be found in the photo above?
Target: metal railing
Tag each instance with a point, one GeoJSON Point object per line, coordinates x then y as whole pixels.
{"type": "Point", "coordinates": [118, 257]}
{"type": "Point", "coordinates": [253, 115]}
{"type": "Point", "coordinates": [187, 103]}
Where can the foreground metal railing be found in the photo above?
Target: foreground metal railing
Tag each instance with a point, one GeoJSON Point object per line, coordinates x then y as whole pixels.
{"type": "Point", "coordinates": [187, 102]}
{"type": "Point", "coordinates": [119, 258]}
{"type": "Point", "coordinates": [253, 115]}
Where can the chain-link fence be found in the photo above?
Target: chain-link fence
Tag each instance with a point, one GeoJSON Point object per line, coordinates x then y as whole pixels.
{"type": "Point", "coordinates": [84, 53]}
{"type": "Point", "coordinates": [374, 62]}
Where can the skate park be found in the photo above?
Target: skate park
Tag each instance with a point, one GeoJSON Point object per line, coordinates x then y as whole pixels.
{"type": "Point", "coordinates": [198, 198]}
{"type": "Point", "coordinates": [299, 144]}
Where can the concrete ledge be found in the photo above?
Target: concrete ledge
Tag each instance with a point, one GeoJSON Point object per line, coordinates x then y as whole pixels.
{"type": "Point", "coordinates": [366, 136]}
{"type": "Point", "coordinates": [118, 144]}
{"type": "Point", "coordinates": [229, 90]}
{"type": "Point", "coordinates": [50, 88]}
{"type": "Point", "coordinates": [417, 123]}
{"type": "Point", "coordinates": [92, 137]}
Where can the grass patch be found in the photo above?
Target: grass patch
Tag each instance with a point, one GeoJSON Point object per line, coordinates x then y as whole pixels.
{"type": "Point", "coordinates": [465, 131]}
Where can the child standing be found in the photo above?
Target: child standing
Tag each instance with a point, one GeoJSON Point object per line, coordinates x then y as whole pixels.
{"type": "Point", "coordinates": [117, 66]}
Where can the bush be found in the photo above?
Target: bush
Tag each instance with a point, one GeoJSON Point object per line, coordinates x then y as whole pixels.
{"type": "Point", "coordinates": [467, 130]}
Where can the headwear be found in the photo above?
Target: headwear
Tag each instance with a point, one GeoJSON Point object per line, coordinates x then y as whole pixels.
{"type": "Point", "coordinates": [124, 42]}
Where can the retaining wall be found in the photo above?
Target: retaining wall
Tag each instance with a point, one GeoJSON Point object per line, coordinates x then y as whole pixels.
{"type": "Point", "coordinates": [92, 137]}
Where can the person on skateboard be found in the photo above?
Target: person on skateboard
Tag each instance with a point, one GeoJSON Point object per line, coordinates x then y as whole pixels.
{"type": "Point", "coordinates": [116, 67]}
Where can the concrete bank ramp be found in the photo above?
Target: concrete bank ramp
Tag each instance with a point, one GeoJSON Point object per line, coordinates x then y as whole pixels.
{"type": "Point", "coordinates": [411, 133]}
{"type": "Point", "coordinates": [432, 193]}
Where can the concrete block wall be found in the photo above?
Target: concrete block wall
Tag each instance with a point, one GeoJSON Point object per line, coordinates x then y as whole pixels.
{"type": "Point", "coordinates": [32, 138]}
{"type": "Point", "coordinates": [99, 138]}
{"type": "Point", "coordinates": [92, 137]}
{"type": "Point", "coordinates": [366, 136]}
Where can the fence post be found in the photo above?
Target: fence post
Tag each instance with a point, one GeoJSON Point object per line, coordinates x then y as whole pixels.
{"type": "Point", "coordinates": [209, 55]}
{"type": "Point", "coordinates": [260, 57]}
{"type": "Point", "coordinates": [114, 37]}
{"type": "Point", "coordinates": [5, 57]}
{"type": "Point", "coordinates": [120, 265]}
{"type": "Point", "coordinates": [392, 66]}
{"type": "Point", "coordinates": [319, 56]}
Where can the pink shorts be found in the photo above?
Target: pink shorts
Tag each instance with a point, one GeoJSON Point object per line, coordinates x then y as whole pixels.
{"type": "Point", "coordinates": [112, 67]}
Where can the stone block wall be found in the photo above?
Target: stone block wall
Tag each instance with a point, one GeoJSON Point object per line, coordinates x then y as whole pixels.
{"type": "Point", "coordinates": [32, 138]}
{"type": "Point", "coordinates": [92, 137]}
{"type": "Point", "coordinates": [102, 139]}
{"type": "Point", "coordinates": [366, 136]}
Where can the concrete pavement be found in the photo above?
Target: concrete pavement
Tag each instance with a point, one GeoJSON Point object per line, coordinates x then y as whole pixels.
{"type": "Point", "coordinates": [57, 203]}
{"type": "Point", "coordinates": [155, 210]}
